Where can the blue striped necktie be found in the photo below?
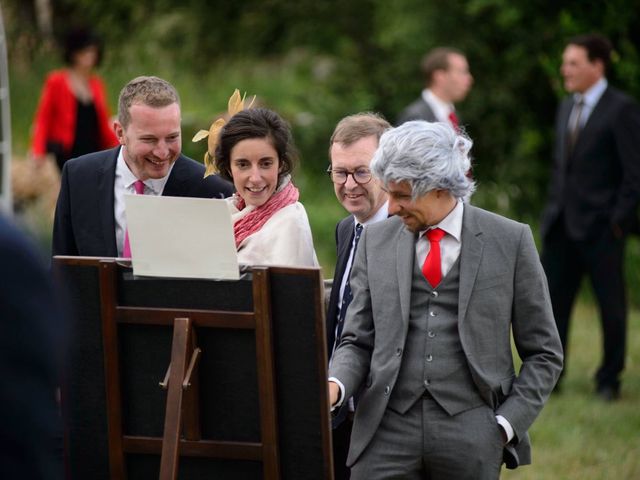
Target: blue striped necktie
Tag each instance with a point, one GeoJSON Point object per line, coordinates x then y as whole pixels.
{"type": "Point", "coordinates": [347, 296]}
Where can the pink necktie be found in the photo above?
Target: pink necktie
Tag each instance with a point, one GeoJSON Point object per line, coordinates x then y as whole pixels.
{"type": "Point", "coordinates": [432, 268]}
{"type": "Point", "coordinates": [126, 250]}
{"type": "Point", "coordinates": [453, 118]}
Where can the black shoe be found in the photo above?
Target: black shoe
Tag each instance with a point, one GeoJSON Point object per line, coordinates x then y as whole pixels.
{"type": "Point", "coordinates": [608, 393]}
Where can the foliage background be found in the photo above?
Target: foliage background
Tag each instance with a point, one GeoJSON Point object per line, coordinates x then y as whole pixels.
{"type": "Point", "coordinates": [315, 61]}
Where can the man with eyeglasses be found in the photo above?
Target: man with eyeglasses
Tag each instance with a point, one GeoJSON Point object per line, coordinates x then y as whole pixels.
{"type": "Point", "coordinates": [352, 145]}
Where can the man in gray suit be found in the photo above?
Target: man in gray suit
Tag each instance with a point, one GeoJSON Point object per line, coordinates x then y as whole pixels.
{"type": "Point", "coordinates": [447, 81]}
{"type": "Point", "coordinates": [437, 291]}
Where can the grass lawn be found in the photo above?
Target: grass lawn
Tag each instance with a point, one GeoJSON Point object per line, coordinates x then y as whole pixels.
{"type": "Point", "coordinates": [578, 436]}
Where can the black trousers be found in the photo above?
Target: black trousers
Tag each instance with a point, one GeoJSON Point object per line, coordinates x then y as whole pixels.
{"type": "Point", "coordinates": [566, 261]}
{"type": "Point", "coordinates": [341, 439]}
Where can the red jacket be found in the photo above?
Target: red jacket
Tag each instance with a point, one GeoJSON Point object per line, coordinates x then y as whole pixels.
{"type": "Point", "coordinates": [55, 118]}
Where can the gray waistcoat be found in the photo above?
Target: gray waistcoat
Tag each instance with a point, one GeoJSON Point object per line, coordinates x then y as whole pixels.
{"type": "Point", "coordinates": [433, 358]}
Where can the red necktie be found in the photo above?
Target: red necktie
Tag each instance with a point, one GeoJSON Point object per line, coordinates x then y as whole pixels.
{"type": "Point", "coordinates": [126, 250]}
{"type": "Point", "coordinates": [432, 268]}
{"type": "Point", "coordinates": [453, 118]}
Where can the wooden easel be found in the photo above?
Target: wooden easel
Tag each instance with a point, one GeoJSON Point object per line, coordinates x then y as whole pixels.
{"type": "Point", "coordinates": [181, 424]}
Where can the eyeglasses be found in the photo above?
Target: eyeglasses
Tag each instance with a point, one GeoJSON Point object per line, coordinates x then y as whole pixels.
{"type": "Point", "coordinates": [360, 175]}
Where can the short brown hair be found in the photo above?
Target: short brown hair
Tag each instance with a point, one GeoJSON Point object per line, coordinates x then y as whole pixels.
{"type": "Point", "coordinates": [598, 47]}
{"type": "Point", "coordinates": [151, 91]}
{"type": "Point", "coordinates": [436, 59]}
{"type": "Point", "coordinates": [256, 123]}
{"type": "Point", "coordinates": [360, 125]}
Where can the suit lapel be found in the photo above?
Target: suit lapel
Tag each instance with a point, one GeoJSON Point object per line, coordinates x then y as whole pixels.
{"type": "Point", "coordinates": [345, 239]}
{"type": "Point", "coordinates": [563, 127]}
{"type": "Point", "coordinates": [405, 253]}
{"type": "Point", "coordinates": [106, 199]}
{"type": "Point", "coordinates": [598, 114]}
{"type": "Point", "coordinates": [175, 180]}
{"type": "Point", "coordinates": [470, 256]}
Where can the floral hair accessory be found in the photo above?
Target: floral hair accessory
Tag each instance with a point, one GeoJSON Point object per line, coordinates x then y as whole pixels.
{"type": "Point", "coordinates": [235, 105]}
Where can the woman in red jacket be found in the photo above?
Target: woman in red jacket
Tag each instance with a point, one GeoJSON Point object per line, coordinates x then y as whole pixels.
{"type": "Point", "coordinates": [73, 117]}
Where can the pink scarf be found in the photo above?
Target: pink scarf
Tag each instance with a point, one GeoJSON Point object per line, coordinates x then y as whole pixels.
{"type": "Point", "coordinates": [254, 220]}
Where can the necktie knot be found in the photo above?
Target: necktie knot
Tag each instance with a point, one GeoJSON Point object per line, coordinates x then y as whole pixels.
{"type": "Point", "coordinates": [435, 234]}
{"type": "Point", "coordinates": [453, 118]}
{"type": "Point", "coordinates": [138, 185]}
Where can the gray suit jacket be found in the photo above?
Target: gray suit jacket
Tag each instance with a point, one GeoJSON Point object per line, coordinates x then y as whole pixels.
{"type": "Point", "coordinates": [502, 288]}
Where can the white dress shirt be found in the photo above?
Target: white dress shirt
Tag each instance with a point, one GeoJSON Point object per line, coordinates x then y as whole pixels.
{"type": "Point", "coordinates": [440, 108]}
{"type": "Point", "coordinates": [123, 185]}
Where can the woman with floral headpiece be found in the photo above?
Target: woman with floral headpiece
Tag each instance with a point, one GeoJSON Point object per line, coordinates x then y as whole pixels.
{"type": "Point", "coordinates": [255, 151]}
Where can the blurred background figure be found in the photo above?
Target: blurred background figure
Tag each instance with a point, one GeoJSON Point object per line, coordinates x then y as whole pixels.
{"type": "Point", "coordinates": [31, 329]}
{"type": "Point", "coordinates": [593, 198]}
{"type": "Point", "coordinates": [72, 118]}
{"type": "Point", "coordinates": [447, 81]}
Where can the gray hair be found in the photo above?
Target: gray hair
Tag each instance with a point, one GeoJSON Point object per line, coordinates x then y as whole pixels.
{"type": "Point", "coordinates": [428, 156]}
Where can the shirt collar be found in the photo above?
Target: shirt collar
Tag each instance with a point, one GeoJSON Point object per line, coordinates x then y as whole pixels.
{"type": "Point", "coordinates": [594, 93]}
{"type": "Point", "coordinates": [441, 109]}
{"type": "Point", "coordinates": [451, 224]}
{"type": "Point", "coordinates": [156, 185]}
{"type": "Point", "coordinates": [381, 214]}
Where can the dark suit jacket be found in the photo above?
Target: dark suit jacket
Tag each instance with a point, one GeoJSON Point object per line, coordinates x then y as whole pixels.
{"type": "Point", "coordinates": [84, 222]}
{"type": "Point", "coordinates": [599, 183]}
{"type": "Point", "coordinates": [31, 333]}
{"type": "Point", "coordinates": [418, 110]}
{"type": "Point", "coordinates": [344, 239]}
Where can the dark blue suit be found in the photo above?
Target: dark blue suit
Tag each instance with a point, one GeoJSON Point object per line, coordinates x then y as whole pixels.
{"type": "Point", "coordinates": [342, 429]}
{"type": "Point", "coordinates": [344, 240]}
{"type": "Point", "coordinates": [84, 222]}
{"type": "Point", "coordinates": [31, 330]}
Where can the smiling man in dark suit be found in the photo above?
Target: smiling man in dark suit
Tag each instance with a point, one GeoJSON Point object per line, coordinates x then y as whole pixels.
{"type": "Point", "coordinates": [90, 219]}
{"type": "Point", "coordinates": [593, 199]}
{"type": "Point", "coordinates": [352, 145]}
{"type": "Point", "coordinates": [438, 290]}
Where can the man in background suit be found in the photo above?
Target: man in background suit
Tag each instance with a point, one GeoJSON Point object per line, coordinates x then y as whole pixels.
{"type": "Point", "coordinates": [31, 342]}
{"type": "Point", "coordinates": [437, 291]}
{"type": "Point", "coordinates": [593, 198]}
{"type": "Point", "coordinates": [90, 214]}
{"type": "Point", "coordinates": [447, 81]}
{"type": "Point", "coordinates": [352, 145]}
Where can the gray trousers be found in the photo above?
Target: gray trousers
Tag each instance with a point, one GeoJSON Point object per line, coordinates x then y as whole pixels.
{"type": "Point", "coordinates": [427, 443]}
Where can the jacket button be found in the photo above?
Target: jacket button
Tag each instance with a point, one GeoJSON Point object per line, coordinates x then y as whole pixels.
{"type": "Point", "coordinates": [431, 334]}
{"type": "Point", "coordinates": [429, 358]}
{"type": "Point", "coordinates": [398, 351]}
{"type": "Point", "coordinates": [434, 294]}
{"type": "Point", "coordinates": [433, 314]}
{"type": "Point", "coordinates": [387, 390]}
{"type": "Point", "coordinates": [427, 383]}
